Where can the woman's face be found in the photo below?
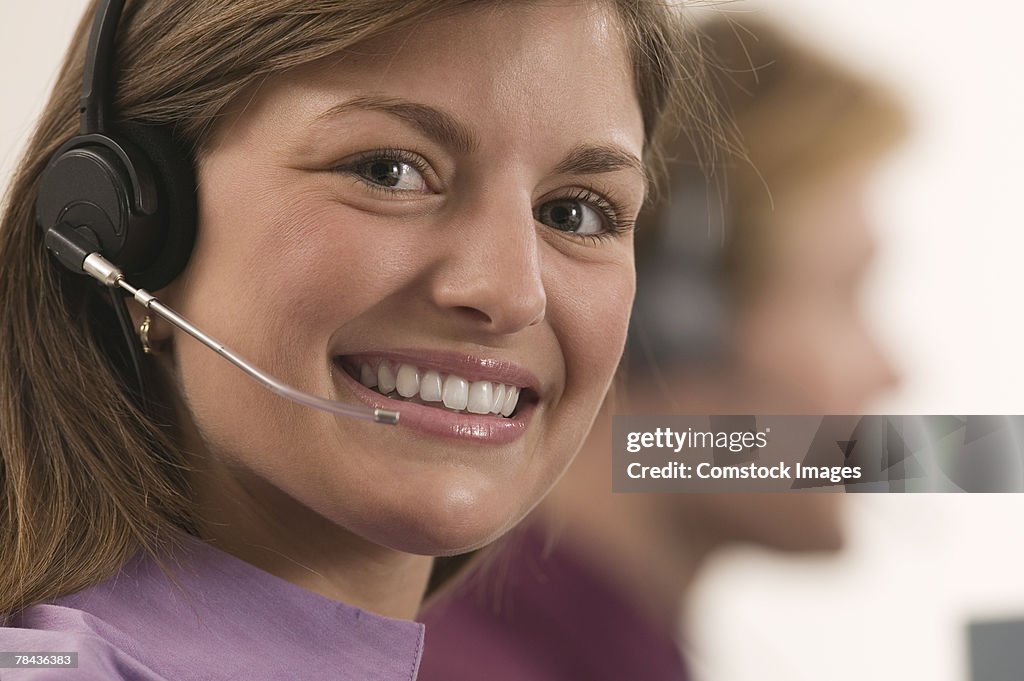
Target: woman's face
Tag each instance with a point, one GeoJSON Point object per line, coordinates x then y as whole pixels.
{"type": "Point", "coordinates": [446, 209]}
{"type": "Point", "coordinates": [804, 338]}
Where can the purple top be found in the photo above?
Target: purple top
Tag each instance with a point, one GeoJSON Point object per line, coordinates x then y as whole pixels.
{"type": "Point", "coordinates": [229, 620]}
{"type": "Point", "coordinates": [545, 615]}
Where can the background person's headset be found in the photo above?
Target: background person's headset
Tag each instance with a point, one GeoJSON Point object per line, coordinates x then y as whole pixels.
{"type": "Point", "coordinates": [118, 202]}
{"type": "Point", "coordinates": [682, 310]}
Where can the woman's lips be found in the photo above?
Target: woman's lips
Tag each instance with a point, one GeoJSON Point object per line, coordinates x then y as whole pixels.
{"type": "Point", "coordinates": [437, 420]}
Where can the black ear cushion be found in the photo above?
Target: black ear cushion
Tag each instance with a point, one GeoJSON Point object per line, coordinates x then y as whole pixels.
{"type": "Point", "coordinates": [176, 184]}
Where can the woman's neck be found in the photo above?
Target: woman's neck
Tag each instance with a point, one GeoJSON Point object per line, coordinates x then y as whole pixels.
{"type": "Point", "coordinates": [260, 524]}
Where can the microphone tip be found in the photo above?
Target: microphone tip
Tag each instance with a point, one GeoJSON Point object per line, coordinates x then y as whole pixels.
{"type": "Point", "coordinates": [385, 416]}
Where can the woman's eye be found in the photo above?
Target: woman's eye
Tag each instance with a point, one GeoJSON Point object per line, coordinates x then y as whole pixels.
{"type": "Point", "coordinates": [571, 215]}
{"type": "Point", "coordinates": [391, 174]}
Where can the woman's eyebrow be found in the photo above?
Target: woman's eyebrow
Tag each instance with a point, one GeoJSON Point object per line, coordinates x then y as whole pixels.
{"type": "Point", "coordinates": [591, 159]}
{"type": "Point", "coordinates": [446, 130]}
{"type": "Point", "coordinates": [438, 125]}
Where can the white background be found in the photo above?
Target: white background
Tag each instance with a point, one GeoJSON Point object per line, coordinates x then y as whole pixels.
{"type": "Point", "coordinates": [944, 297]}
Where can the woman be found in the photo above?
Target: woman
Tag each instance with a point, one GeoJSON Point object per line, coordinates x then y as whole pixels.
{"type": "Point", "coordinates": [410, 205]}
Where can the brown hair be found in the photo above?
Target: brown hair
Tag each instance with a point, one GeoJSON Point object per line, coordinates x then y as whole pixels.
{"type": "Point", "coordinates": [87, 477]}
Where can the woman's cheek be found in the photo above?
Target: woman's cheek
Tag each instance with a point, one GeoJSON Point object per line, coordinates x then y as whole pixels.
{"type": "Point", "coordinates": [592, 318]}
{"type": "Point", "coordinates": [336, 253]}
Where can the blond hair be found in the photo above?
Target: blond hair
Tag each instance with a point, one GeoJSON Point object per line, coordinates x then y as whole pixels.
{"type": "Point", "coordinates": [794, 113]}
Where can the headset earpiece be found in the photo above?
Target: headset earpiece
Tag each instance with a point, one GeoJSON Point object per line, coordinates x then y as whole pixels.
{"type": "Point", "coordinates": [133, 192]}
{"type": "Point", "coordinates": [681, 313]}
{"type": "Point", "coordinates": [176, 189]}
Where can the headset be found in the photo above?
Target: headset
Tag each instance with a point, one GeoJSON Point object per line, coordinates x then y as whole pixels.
{"type": "Point", "coordinates": [682, 313]}
{"type": "Point", "coordinates": [127, 189]}
{"type": "Point", "coordinates": [118, 202]}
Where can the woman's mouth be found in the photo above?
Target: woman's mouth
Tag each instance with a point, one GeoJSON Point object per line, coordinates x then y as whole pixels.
{"type": "Point", "coordinates": [470, 398]}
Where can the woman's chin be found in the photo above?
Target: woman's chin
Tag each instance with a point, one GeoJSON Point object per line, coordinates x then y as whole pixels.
{"type": "Point", "coordinates": [448, 521]}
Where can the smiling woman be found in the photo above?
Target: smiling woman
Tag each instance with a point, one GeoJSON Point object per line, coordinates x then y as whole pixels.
{"type": "Point", "coordinates": [417, 206]}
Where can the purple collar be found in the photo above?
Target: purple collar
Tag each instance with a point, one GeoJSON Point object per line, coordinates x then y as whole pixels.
{"type": "Point", "coordinates": [222, 618]}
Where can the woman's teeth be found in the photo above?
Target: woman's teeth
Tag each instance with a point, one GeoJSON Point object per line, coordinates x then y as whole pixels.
{"type": "Point", "coordinates": [454, 392]}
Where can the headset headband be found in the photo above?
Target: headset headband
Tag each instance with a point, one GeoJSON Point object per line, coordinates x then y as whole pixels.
{"type": "Point", "coordinates": [97, 88]}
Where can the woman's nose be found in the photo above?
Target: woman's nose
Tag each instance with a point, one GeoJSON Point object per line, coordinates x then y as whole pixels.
{"type": "Point", "coordinates": [492, 276]}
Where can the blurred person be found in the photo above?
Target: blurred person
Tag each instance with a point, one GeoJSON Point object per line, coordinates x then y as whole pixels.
{"type": "Point", "coordinates": [593, 586]}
